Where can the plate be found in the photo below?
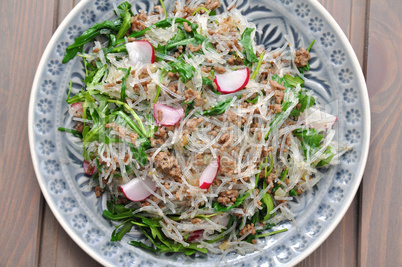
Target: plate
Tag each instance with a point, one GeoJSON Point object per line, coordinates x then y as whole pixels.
{"type": "Point", "coordinates": [335, 76]}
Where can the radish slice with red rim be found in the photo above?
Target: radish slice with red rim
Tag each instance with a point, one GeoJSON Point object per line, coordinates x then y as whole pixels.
{"type": "Point", "coordinates": [136, 190]}
{"type": "Point", "coordinates": [194, 236]}
{"type": "Point", "coordinates": [221, 219]}
{"type": "Point", "coordinates": [209, 174]}
{"type": "Point", "coordinates": [167, 116]}
{"type": "Point", "coordinates": [232, 81]}
{"type": "Point", "coordinates": [88, 167]}
{"type": "Point", "coordinates": [76, 109]}
{"type": "Point", "coordinates": [140, 51]}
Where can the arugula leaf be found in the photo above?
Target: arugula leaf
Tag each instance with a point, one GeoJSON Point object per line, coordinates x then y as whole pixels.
{"type": "Point", "coordinates": [88, 36]}
{"type": "Point", "coordinates": [122, 8]}
{"type": "Point", "coordinates": [71, 131]}
{"type": "Point", "coordinates": [219, 207]}
{"type": "Point", "coordinates": [247, 43]}
{"type": "Point", "coordinates": [119, 232]}
{"type": "Point", "coordinates": [139, 155]}
{"type": "Point", "coordinates": [305, 102]}
{"type": "Point", "coordinates": [220, 107]}
{"type": "Point", "coordinates": [293, 80]}
{"type": "Point", "coordinates": [126, 24]}
{"type": "Point", "coordinates": [185, 70]}
{"type": "Point", "coordinates": [330, 154]}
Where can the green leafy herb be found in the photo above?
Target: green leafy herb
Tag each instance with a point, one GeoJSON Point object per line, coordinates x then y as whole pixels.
{"type": "Point", "coordinates": [330, 154]}
{"type": "Point", "coordinates": [310, 140]}
{"type": "Point", "coordinates": [293, 80]}
{"type": "Point", "coordinates": [88, 36]}
{"type": "Point", "coordinates": [126, 24]}
{"type": "Point", "coordinates": [247, 43]}
{"type": "Point", "coordinates": [220, 107]}
{"type": "Point", "coordinates": [219, 207]}
{"type": "Point", "coordinates": [71, 131]}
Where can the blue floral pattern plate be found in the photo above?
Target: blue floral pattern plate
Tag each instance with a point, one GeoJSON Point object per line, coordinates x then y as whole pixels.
{"type": "Point", "coordinates": [335, 76]}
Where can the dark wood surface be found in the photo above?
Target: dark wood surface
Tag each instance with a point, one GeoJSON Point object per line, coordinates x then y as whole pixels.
{"type": "Point", "coordinates": [368, 235]}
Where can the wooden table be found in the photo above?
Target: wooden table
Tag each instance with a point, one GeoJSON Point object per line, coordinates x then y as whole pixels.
{"type": "Point", "coordinates": [369, 234]}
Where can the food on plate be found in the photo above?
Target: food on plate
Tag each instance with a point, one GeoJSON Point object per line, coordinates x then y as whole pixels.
{"type": "Point", "coordinates": [198, 136]}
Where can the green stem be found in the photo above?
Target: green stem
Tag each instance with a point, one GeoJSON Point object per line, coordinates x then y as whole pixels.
{"type": "Point", "coordinates": [136, 117]}
{"type": "Point", "coordinates": [258, 66]}
{"type": "Point", "coordinates": [311, 45]}
{"type": "Point", "coordinates": [164, 8]}
{"type": "Point", "coordinates": [200, 8]}
{"type": "Point", "coordinates": [272, 233]}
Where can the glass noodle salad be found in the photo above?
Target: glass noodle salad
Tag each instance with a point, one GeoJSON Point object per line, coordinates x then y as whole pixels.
{"type": "Point", "coordinates": [197, 136]}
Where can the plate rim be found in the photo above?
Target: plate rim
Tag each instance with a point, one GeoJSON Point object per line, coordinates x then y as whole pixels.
{"type": "Point", "coordinates": [328, 230]}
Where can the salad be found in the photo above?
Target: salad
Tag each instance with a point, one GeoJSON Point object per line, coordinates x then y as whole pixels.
{"type": "Point", "coordinates": [196, 136]}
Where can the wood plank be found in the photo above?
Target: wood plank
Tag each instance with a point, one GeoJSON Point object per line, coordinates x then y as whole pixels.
{"type": "Point", "coordinates": [381, 210]}
{"type": "Point", "coordinates": [24, 35]}
{"type": "Point", "coordinates": [341, 247]}
{"type": "Point", "coordinates": [56, 247]}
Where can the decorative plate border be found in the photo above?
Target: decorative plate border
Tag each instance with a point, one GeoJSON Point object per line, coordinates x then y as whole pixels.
{"type": "Point", "coordinates": [56, 158]}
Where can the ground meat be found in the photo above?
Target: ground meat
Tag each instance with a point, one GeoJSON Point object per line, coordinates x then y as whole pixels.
{"type": "Point", "coordinates": [193, 123]}
{"type": "Point", "coordinates": [231, 60]}
{"type": "Point", "coordinates": [228, 197]}
{"type": "Point", "coordinates": [271, 177]}
{"type": "Point", "coordinates": [137, 22]}
{"type": "Point", "coordinates": [277, 54]}
{"type": "Point", "coordinates": [131, 39]}
{"type": "Point", "coordinates": [266, 150]}
{"type": "Point", "coordinates": [161, 133]}
{"type": "Point", "coordinates": [215, 131]}
{"type": "Point", "coordinates": [194, 49]}
{"type": "Point", "coordinates": [187, 27]}
{"type": "Point", "coordinates": [302, 57]}
{"type": "Point", "coordinates": [191, 94]}
{"type": "Point", "coordinates": [206, 69]}
{"type": "Point", "coordinates": [212, 4]}
{"type": "Point", "coordinates": [220, 69]}
{"type": "Point", "coordinates": [196, 221]}
{"type": "Point", "coordinates": [133, 137]}
{"type": "Point", "coordinates": [248, 228]}
{"type": "Point", "coordinates": [173, 87]}
{"type": "Point", "coordinates": [279, 96]}
{"type": "Point", "coordinates": [98, 191]}
{"type": "Point", "coordinates": [169, 164]}
{"type": "Point", "coordinates": [160, 115]}
{"type": "Point", "coordinates": [288, 140]}
{"type": "Point", "coordinates": [96, 50]}
{"type": "Point", "coordinates": [157, 142]}
{"type": "Point", "coordinates": [276, 108]}
{"type": "Point", "coordinates": [276, 85]}
{"type": "Point", "coordinates": [159, 9]}
{"type": "Point", "coordinates": [79, 127]}
{"type": "Point", "coordinates": [122, 200]}
{"type": "Point", "coordinates": [225, 140]}
{"type": "Point", "coordinates": [198, 159]}
{"type": "Point", "coordinates": [227, 167]}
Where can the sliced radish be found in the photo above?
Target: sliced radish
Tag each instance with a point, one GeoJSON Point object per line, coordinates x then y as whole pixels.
{"type": "Point", "coordinates": [140, 51]}
{"type": "Point", "coordinates": [167, 116]}
{"type": "Point", "coordinates": [221, 219]}
{"type": "Point", "coordinates": [135, 190]}
{"type": "Point", "coordinates": [88, 167]}
{"type": "Point", "coordinates": [76, 109]}
{"type": "Point", "coordinates": [193, 236]}
{"type": "Point", "coordinates": [317, 119]}
{"type": "Point", "coordinates": [232, 81]}
{"type": "Point", "coordinates": [209, 174]}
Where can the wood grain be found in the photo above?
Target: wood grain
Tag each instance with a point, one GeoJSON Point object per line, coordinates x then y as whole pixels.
{"type": "Point", "coordinates": [381, 209]}
{"type": "Point", "coordinates": [24, 36]}
{"type": "Point", "coordinates": [341, 247]}
{"type": "Point", "coordinates": [369, 234]}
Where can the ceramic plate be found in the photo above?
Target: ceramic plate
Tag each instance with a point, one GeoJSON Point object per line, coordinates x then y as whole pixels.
{"type": "Point", "coordinates": [335, 76]}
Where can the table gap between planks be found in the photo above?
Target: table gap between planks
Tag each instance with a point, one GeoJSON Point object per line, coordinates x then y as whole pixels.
{"type": "Point", "coordinates": [368, 235]}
